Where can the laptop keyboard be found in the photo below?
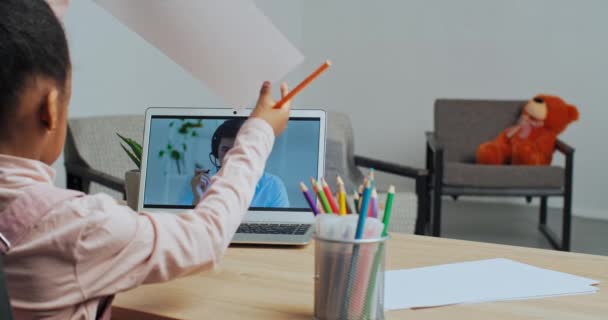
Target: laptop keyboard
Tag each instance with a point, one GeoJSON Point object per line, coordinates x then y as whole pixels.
{"type": "Point", "coordinates": [260, 228]}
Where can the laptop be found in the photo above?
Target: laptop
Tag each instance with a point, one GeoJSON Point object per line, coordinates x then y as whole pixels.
{"type": "Point", "coordinates": [180, 144]}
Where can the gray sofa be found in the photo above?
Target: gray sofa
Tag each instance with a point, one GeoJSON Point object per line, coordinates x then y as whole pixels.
{"type": "Point", "coordinates": [95, 162]}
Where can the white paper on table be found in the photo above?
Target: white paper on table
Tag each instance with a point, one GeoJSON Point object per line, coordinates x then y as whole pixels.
{"type": "Point", "coordinates": [229, 45]}
{"type": "Point", "coordinates": [478, 281]}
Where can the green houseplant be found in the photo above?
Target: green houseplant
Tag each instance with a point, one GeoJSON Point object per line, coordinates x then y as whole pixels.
{"type": "Point", "coordinates": [134, 151]}
{"type": "Point", "coordinates": [175, 151]}
{"type": "Point", "coordinates": [176, 148]}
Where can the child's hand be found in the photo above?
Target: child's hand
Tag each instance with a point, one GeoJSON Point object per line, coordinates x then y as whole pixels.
{"type": "Point", "coordinates": [277, 118]}
{"type": "Point", "coordinates": [200, 183]}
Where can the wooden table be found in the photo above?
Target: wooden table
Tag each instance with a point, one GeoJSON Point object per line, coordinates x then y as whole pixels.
{"type": "Point", "coordinates": [277, 283]}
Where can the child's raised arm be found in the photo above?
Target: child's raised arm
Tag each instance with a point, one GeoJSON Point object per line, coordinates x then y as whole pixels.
{"type": "Point", "coordinates": [121, 249]}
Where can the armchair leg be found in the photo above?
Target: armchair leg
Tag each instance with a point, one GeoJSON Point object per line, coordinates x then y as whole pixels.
{"type": "Point", "coordinates": [543, 211]}
{"type": "Point", "coordinates": [436, 219]}
{"type": "Point", "coordinates": [421, 218]}
{"type": "Point", "coordinates": [423, 215]}
{"type": "Point", "coordinates": [428, 208]}
{"type": "Point", "coordinates": [566, 222]}
{"type": "Point", "coordinates": [564, 244]}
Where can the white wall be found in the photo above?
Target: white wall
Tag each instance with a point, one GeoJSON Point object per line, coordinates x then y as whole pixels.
{"type": "Point", "coordinates": [117, 72]}
{"type": "Point", "coordinates": [393, 58]}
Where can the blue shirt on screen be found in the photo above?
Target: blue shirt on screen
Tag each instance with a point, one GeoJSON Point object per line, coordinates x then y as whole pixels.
{"type": "Point", "coordinates": [270, 192]}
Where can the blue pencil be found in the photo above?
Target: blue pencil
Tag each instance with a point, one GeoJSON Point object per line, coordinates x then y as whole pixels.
{"type": "Point", "coordinates": [363, 212]}
{"type": "Point", "coordinates": [345, 314]}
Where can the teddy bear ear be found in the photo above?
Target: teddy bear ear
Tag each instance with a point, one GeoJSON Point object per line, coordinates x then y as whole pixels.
{"type": "Point", "coordinates": [572, 113]}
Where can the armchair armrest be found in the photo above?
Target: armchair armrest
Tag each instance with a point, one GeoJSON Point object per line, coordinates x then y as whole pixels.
{"type": "Point", "coordinates": [92, 175]}
{"type": "Point", "coordinates": [568, 152]}
{"type": "Point", "coordinates": [432, 142]}
{"type": "Point", "coordinates": [393, 168]}
{"type": "Point", "coordinates": [563, 147]}
{"type": "Point", "coordinates": [422, 185]}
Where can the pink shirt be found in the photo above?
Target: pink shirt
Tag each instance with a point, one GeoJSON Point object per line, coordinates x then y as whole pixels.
{"type": "Point", "coordinates": [90, 247]}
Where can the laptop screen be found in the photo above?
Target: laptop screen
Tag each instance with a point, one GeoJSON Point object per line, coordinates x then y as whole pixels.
{"type": "Point", "coordinates": [185, 152]}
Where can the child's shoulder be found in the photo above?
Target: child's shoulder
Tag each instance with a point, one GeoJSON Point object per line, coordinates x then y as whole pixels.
{"type": "Point", "coordinates": [46, 198]}
{"type": "Point", "coordinates": [102, 222]}
{"type": "Point", "coordinates": [73, 219]}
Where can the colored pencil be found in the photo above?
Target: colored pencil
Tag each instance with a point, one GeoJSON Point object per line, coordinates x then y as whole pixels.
{"type": "Point", "coordinates": [320, 206]}
{"type": "Point", "coordinates": [362, 187]}
{"type": "Point", "coordinates": [315, 190]}
{"type": "Point", "coordinates": [309, 199]}
{"type": "Point", "coordinates": [342, 196]}
{"type": "Point", "coordinates": [349, 210]}
{"type": "Point", "coordinates": [386, 221]}
{"type": "Point", "coordinates": [313, 182]}
{"type": "Point", "coordinates": [371, 288]}
{"type": "Point", "coordinates": [387, 209]}
{"type": "Point", "coordinates": [330, 197]}
{"type": "Point", "coordinates": [355, 256]}
{"type": "Point", "coordinates": [360, 192]}
{"type": "Point", "coordinates": [364, 206]}
{"type": "Point", "coordinates": [374, 204]}
{"type": "Point", "coordinates": [322, 197]}
{"type": "Point", "coordinates": [303, 84]}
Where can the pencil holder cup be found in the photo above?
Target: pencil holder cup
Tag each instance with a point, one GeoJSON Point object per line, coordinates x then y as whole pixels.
{"type": "Point", "coordinates": [349, 279]}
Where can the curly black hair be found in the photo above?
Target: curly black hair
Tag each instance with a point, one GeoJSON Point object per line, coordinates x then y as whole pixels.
{"type": "Point", "coordinates": [228, 129]}
{"type": "Point", "coordinates": [32, 44]}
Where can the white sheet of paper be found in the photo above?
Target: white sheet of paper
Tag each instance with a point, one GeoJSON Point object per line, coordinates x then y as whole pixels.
{"type": "Point", "coordinates": [229, 45]}
{"type": "Point", "coordinates": [478, 281]}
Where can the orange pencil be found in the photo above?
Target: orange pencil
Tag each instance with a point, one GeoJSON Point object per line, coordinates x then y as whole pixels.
{"type": "Point", "coordinates": [303, 84]}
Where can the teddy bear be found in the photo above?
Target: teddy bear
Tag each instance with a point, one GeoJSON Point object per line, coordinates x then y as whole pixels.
{"type": "Point", "coordinates": [532, 140]}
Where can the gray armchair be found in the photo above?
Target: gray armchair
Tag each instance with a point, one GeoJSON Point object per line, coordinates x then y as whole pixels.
{"type": "Point", "coordinates": [94, 162]}
{"type": "Point", "coordinates": [460, 126]}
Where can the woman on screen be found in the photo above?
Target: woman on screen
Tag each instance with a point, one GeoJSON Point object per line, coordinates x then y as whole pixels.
{"type": "Point", "coordinates": [270, 191]}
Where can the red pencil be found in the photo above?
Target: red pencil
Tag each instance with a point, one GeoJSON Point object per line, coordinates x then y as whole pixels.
{"type": "Point", "coordinates": [330, 197]}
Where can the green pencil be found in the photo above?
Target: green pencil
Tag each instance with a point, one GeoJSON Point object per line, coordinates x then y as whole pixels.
{"type": "Point", "coordinates": [372, 285]}
{"type": "Point", "coordinates": [387, 209]}
{"type": "Point", "coordinates": [356, 201]}
{"type": "Point", "coordinates": [323, 198]}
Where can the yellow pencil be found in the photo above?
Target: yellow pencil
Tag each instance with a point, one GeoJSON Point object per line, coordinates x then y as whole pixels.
{"type": "Point", "coordinates": [342, 197]}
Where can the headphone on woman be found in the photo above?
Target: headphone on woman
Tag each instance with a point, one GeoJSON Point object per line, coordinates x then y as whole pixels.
{"type": "Point", "coordinates": [228, 129]}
